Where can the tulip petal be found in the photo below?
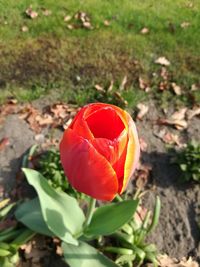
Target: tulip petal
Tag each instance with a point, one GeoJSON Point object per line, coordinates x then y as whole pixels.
{"type": "Point", "coordinates": [111, 150]}
{"type": "Point", "coordinates": [132, 155]}
{"type": "Point", "coordinates": [87, 170]}
{"type": "Point", "coordinates": [105, 123]}
{"type": "Point", "coordinates": [79, 125]}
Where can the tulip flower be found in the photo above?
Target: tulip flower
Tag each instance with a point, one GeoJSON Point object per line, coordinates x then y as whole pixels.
{"type": "Point", "coordinates": [100, 151]}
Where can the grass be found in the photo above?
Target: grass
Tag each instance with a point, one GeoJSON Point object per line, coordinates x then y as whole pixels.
{"type": "Point", "coordinates": [49, 55]}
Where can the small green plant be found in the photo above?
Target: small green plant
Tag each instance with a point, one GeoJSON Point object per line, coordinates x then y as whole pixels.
{"type": "Point", "coordinates": [11, 235]}
{"type": "Point", "coordinates": [125, 236]}
{"type": "Point", "coordinates": [188, 160]}
{"type": "Point", "coordinates": [132, 247]}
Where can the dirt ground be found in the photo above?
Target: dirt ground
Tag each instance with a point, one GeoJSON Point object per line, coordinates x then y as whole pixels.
{"type": "Point", "coordinates": [178, 233]}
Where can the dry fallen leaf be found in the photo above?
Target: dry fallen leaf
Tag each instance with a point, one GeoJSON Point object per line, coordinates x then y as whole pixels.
{"type": "Point", "coordinates": [193, 112]}
{"type": "Point", "coordinates": [144, 31]}
{"type": "Point", "coordinates": [110, 86]}
{"type": "Point", "coordinates": [142, 175]}
{"type": "Point", "coordinates": [185, 24]}
{"type": "Point", "coordinates": [163, 86]}
{"type": "Point", "coordinates": [194, 87]}
{"type": "Point", "coordinates": [67, 18]}
{"type": "Point", "coordinates": [176, 89]}
{"type": "Point", "coordinates": [99, 88]}
{"type": "Point", "coordinates": [27, 247]}
{"type": "Point", "coordinates": [87, 25]}
{"type": "Point", "coordinates": [70, 26]}
{"type": "Point", "coordinates": [24, 29]}
{"type": "Point", "coordinates": [177, 120]}
{"type": "Point", "coordinates": [166, 261]}
{"type": "Point", "coordinates": [59, 111]}
{"type": "Point", "coordinates": [106, 23]}
{"type": "Point", "coordinates": [44, 120]}
{"type": "Point", "coordinates": [162, 61]}
{"type": "Point", "coordinates": [143, 85]}
{"type": "Point", "coordinates": [168, 137]}
{"type": "Point", "coordinates": [143, 109]}
{"type": "Point", "coordinates": [31, 13]}
{"type": "Point", "coordinates": [164, 73]}
{"type": "Point", "coordinates": [179, 115]}
{"type": "Point", "coordinates": [29, 113]}
{"type": "Point", "coordinates": [171, 139]}
{"type": "Point", "coordinates": [123, 83]}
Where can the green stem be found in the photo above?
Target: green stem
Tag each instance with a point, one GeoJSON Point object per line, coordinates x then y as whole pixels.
{"type": "Point", "coordinates": [118, 198]}
{"type": "Point", "coordinates": [90, 211]}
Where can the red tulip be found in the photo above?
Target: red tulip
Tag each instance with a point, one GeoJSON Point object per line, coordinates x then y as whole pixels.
{"type": "Point", "coordinates": [100, 150]}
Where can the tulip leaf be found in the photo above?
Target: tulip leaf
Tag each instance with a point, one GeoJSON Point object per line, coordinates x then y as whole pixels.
{"type": "Point", "coordinates": [61, 212]}
{"type": "Point", "coordinates": [107, 219]}
{"type": "Point", "coordinates": [85, 255]}
{"type": "Point", "coordinates": [30, 214]}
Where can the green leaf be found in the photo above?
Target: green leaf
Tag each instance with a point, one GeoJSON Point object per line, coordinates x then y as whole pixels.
{"type": "Point", "coordinates": [107, 219]}
{"type": "Point", "coordinates": [4, 253]}
{"type": "Point", "coordinates": [61, 212]}
{"type": "Point", "coordinates": [23, 238]}
{"type": "Point", "coordinates": [30, 214]}
{"type": "Point", "coordinates": [85, 255]}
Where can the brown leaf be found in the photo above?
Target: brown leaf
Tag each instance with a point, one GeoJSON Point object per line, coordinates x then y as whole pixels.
{"type": "Point", "coordinates": [59, 250]}
{"type": "Point", "coordinates": [143, 85]}
{"type": "Point", "coordinates": [27, 247]}
{"type": "Point", "coordinates": [168, 137]}
{"type": "Point", "coordinates": [70, 26]}
{"type": "Point", "coordinates": [163, 86]}
{"type": "Point", "coordinates": [44, 120]}
{"type": "Point", "coordinates": [143, 109]}
{"type": "Point", "coordinates": [171, 139]}
{"type": "Point", "coordinates": [162, 61]}
{"type": "Point", "coordinates": [123, 83]}
{"type": "Point", "coordinates": [185, 24]}
{"type": "Point", "coordinates": [24, 29]}
{"type": "Point", "coordinates": [164, 73]}
{"type": "Point", "coordinates": [29, 114]}
{"type": "Point", "coordinates": [176, 89]}
{"type": "Point", "coordinates": [3, 143]}
{"type": "Point", "coordinates": [59, 111]}
{"type": "Point", "coordinates": [110, 86]}
{"type": "Point", "coordinates": [142, 175]}
{"type": "Point", "coordinates": [87, 25]}
{"type": "Point", "coordinates": [144, 30]}
{"type": "Point", "coordinates": [194, 87]}
{"type": "Point", "coordinates": [67, 18]}
{"type": "Point", "coordinates": [166, 261]}
{"type": "Point", "coordinates": [179, 115]}
{"type": "Point", "coordinates": [106, 23]}
{"type": "Point", "coordinates": [193, 112]}
{"type": "Point", "coordinates": [99, 88]}
{"type": "Point", "coordinates": [177, 120]}
{"type": "Point", "coordinates": [31, 13]}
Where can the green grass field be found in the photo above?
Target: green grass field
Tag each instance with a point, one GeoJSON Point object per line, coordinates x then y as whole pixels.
{"type": "Point", "coordinates": [47, 54]}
